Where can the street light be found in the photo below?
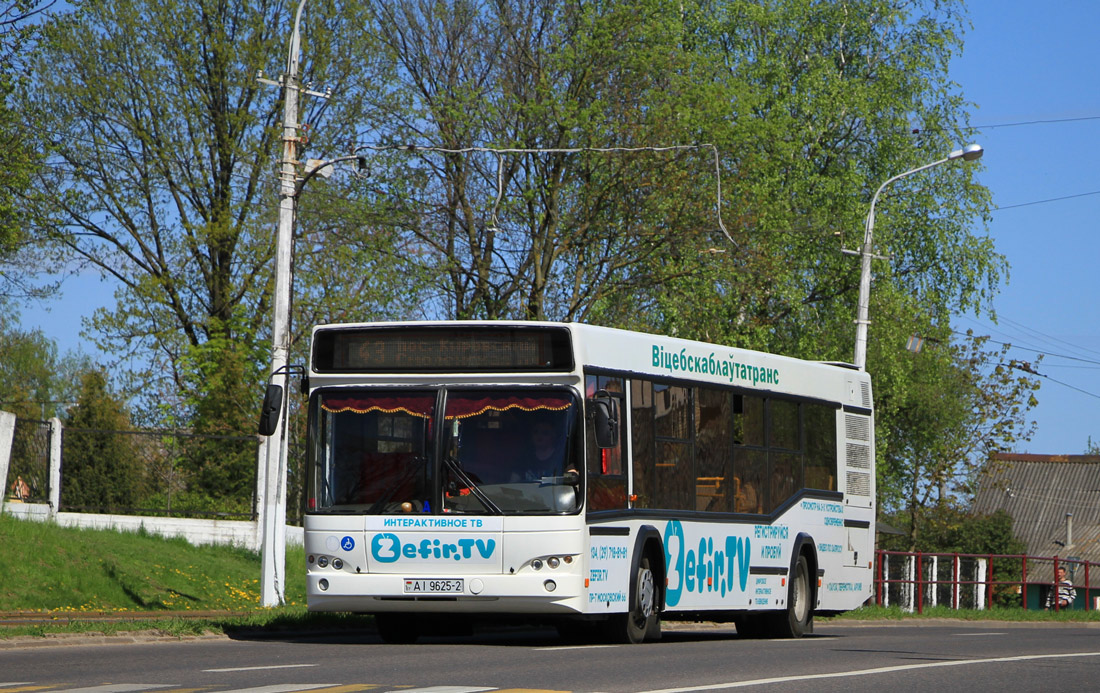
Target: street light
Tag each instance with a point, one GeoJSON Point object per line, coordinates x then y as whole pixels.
{"type": "Point", "coordinates": [272, 462]}
{"type": "Point", "coordinates": [970, 152]}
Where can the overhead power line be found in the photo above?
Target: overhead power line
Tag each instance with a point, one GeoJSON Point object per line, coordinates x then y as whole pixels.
{"type": "Point", "coordinates": [1049, 199]}
{"type": "Point", "coordinates": [1034, 350]}
{"type": "Point", "coordinates": [1026, 367]}
{"type": "Point", "coordinates": [1043, 121]}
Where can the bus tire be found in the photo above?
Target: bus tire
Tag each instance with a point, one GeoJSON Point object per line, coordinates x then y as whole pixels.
{"type": "Point", "coordinates": [642, 622]}
{"type": "Point", "coordinates": [397, 629]}
{"type": "Point", "coordinates": [797, 620]}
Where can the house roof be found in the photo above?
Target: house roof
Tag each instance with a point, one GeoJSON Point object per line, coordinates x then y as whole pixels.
{"type": "Point", "coordinates": [1038, 491]}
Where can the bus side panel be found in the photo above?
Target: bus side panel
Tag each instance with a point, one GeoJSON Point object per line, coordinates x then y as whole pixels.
{"type": "Point", "coordinates": [708, 565]}
{"type": "Point", "coordinates": [608, 574]}
{"type": "Point", "coordinates": [741, 566]}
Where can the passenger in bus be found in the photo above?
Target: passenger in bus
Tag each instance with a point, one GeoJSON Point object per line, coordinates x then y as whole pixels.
{"type": "Point", "coordinates": [747, 500]}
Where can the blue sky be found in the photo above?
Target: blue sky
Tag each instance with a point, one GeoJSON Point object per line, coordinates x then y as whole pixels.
{"type": "Point", "coordinates": [1030, 69]}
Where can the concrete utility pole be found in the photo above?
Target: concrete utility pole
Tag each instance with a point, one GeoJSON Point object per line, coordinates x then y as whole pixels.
{"type": "Point", "coordinates": [967, 153]}
{"type": "Point", "coordinates": [271, 468]}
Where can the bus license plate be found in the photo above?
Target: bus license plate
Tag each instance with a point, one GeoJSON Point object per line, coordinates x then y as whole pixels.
{"type": "Point", "coordinates": [433, 586]}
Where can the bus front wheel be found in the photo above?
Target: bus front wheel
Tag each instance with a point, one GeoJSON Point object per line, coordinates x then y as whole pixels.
{"type": "Point", "coordinates": [642, 622]}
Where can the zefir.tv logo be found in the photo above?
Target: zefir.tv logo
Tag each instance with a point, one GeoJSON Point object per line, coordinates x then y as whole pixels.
{"type": "Point", "coordinates": [388, 548]}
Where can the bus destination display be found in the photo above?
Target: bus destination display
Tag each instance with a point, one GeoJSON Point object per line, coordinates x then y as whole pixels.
{"type": "Point", "coordinates": [444, 349]}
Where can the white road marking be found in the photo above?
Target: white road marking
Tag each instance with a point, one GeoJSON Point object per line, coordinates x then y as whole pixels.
{"type": "Point", "coordinates": [117, 688]}
{"type": "Point", "coordinates": [869, 672]}
{"type": "Point", "coordinates": [282, 688]}
{"type": "Point", "coordinates": [559, 648]}
{"type": "Point", "coordinates": [260, 668]}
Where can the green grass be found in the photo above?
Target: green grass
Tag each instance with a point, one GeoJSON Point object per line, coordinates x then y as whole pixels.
{"type": "Point", "coordinates": [893, 613]}
{"type": "Point", "coordinates": [64, 569]}
{"type": "Point", "coordinates": [69, 573]}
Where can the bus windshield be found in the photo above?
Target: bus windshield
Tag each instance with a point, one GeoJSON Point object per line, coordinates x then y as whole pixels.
{"type": "Point", "coordinates": [372, 451]}
{"type": "Point", "coordinates": [510, 451]}
{"type": "Point", "coordinates": [515, 450]}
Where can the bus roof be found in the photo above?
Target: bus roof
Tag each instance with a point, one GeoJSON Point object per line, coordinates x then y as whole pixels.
{"type": "Point", "coordinates": [608, 349]}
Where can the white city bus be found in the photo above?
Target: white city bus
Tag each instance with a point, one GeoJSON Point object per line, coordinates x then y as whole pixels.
{"type": "Point", "coordinates": [582, 475]}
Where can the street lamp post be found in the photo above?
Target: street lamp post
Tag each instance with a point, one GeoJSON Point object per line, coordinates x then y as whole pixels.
{"type": "Point", "coordinates": [970, 152]}
{"type": "Point", "coordinates": [272, 463]}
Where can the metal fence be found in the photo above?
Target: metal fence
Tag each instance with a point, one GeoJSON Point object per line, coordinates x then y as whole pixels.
{"type": "Point", "coordinates": [29, 470]}
{"type": "Point", "coordinates": [160, 473]}
{"type": "Point", "coordinates": [148, 472]}
{"type": "Point", "coordinates": [915, 581]}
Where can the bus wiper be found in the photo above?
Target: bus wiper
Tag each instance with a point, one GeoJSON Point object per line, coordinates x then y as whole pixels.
{"type": "Point", "coordinates": [453, 465]}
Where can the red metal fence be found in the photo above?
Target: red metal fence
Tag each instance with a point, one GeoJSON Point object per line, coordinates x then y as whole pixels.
{"type": "Point", "coordinates": [918, 580]}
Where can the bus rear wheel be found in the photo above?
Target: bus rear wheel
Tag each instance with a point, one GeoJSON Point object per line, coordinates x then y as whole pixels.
{"type": "Point", "coordinates": [797, 620]}
{"type": "Point", "coordinates": [642, 622]}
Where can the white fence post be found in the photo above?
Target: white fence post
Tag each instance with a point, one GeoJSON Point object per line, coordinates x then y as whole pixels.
{"type": "Point", "coordinates": [956, 569]}
{"type": "Point", "coordinates": [911, 583]}
{"type": "Point", "coordinates": [7, 434]}
{"type": "Point", "coordinates": [933, 581]}
{"type": "Point", "coordinates": [885, 586]}
{"type": "Point", "coordinates": [55, 466]}
{"type": "Point", "coordinates": [981, 588]}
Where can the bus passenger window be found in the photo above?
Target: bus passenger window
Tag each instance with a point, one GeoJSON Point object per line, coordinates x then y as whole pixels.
{"type": "Point", "coordinates": [713, 450]}
{"type": "Point", "coordinates": [752, 491]}
{"type": "Point", "coordinates": [821, 453]}
{"type": "Point", "coordinates": [748, 421]}
{"type": "Point", "coordinates": [786, 476]}
{"type": "Point", "coordinates": [643, 444]}
{"type": "Point", "coordinates": [783, 424]}
{"type": "Point", "coordinates": [675, 468]}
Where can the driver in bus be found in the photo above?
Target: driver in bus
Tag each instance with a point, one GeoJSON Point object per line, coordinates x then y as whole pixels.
{"type": "Point", "coordinates": [544, 457]}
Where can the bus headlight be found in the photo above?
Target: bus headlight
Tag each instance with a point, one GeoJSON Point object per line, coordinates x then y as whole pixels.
{"type": "Point", "coordinates": [338, 564]}
{"type": "Point", "coordinates": [553, 562]}
{"type": "Point", "coordinates": [323, 584]}
{"type": "Point", "coordinates": [322, 561]}
{"type": "Point", "coordinates": [536, 564]}
{"type": "Point", "coordinates": [550, 585]}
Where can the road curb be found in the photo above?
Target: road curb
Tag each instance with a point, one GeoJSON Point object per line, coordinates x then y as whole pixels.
{"type": "Point", "coordinates": [85, 639]}
{"type": "Point", "coordinates": [957, 623]}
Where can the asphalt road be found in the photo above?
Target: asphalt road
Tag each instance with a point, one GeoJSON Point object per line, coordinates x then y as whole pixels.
{"type": "Point", "coordinates": [948, 656]}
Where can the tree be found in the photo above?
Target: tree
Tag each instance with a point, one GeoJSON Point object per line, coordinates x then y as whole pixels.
{"type": "Point", "coordinates": [827, 102]}
{"type": "Point", "coordinates": [160, 163]}
{"type": "Point", "coordinates": [222, 468]}
{"type": "Point", "coordinates": [98, 466]}
{"type": "Point", "coordinates": [35, 382]}
{"type": "Point", "coordinates": [949, 528]}
{"type": "Point", "coordinates": [822, 103]}
{"type": "Point", "coordinates": [938, 444]}
{"type": "Point", "coordinates": [18, 157]}
{"type": "Point", "coordinates": [158, 175]}
{"type": "Point", "coordinates": [528, 234]}
{"type": "Point", "coordinates": [28, 387]}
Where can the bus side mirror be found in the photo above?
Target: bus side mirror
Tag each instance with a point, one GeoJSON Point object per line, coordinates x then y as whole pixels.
{"type": "Point", "coordinates": [605, 419]}
{"type": "Point", "coordinates": [273, 406]}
